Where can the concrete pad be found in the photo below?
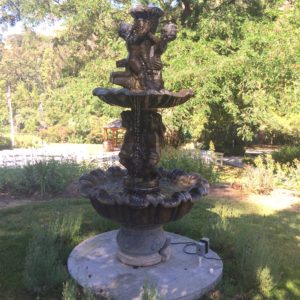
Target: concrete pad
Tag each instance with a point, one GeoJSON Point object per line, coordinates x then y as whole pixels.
{"type": "Point", "coordinates": [94, 265]}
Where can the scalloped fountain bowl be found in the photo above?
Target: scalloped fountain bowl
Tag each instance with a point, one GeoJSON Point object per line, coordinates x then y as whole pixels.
{"type": "Point", "coordinates": [141, 239]}
{"type": "Point", "coordinates": [178, 191]}
{"type": "Point", "coordinates": [148, 99]}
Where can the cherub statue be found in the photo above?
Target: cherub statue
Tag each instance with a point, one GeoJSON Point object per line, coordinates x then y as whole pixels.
{"type": "Point", "coordinates": [143, 65]}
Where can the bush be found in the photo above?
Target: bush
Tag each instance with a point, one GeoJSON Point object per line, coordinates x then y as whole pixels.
{"type": "Point", "coordinates": [47, 252]}
{"type": "Point", "coordinates": [266, 174]}
{"type": "Point", "coordinates": [266, 281]}
{"type": "Point", "coordinates": [21, 141]}
{"type": "Point", "coordinates": [180, 159]}
{"type": "Point", "coordinates": [254, 260]}
{"type": "Point", "coordinates": [287, 154]}
{"type": "Point", "coordinates": [56, 134]}
{"type": "Point", "coordinates": [27, 141]}
{"type": "Point", "coordinates": [44, 177]}
{"type": "Point", "coordinates": [5, 143]}
{"type": "Point", "coordinates": [260, 179]}
{"type": "Point", "coordinates": [43, 270]}
{"type": "Point", "coordinates": [11, 180]}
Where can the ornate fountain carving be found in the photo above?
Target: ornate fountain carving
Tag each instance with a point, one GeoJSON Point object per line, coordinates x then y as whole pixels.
{"type": "Point", "coordinates": [143, 197]}
{"type": "Point", "coordinates": [143, 65]}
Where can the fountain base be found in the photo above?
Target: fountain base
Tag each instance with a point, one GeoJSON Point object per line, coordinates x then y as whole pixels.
{"type": "Point", "coordinates": [143, 246]}
{"type": "Point", "coordinates": [94, 265]}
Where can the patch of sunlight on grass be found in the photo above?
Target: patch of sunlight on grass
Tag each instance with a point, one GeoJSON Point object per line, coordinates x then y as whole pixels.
{"type": "Point", "coordinates": [236, 208]}
{"type": "Point", "coordinates": [294, 287]}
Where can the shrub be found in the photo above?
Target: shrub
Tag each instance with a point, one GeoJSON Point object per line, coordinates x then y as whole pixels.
{"type": "Point", "coordinates": [21, 141]}
{"type": "Point", "coordinates": [287, 154]}
{"type": "Point", "coordinates": [43, 269]}
{"type": "Point", "coordinates": [265, 281]}
{"type": "Point", "coordinates": [43, 177]}
{"type": "Point", "coordinates": [180, 159]}
{"type": "Point", "coordinates": [5, 143]}
{"type": "Point", "coordinates": [27, 141]}
{"type": "Point", "coordinates": [56, 133]}
{"type": "Point", "coordinates": [260, 179]}
{"type": "Point", "coordinates": [12, 180]}
{"type": "Point", "coordinates": [268, 174]}
{"type": "Point", "coordinates": [247, 160]}
{"type": "Point", "coordinates": [47, 252]}
{"type": "Point", "coordinates": [254, 260]}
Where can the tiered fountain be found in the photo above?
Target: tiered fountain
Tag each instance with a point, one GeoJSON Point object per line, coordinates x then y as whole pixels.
{"type": "Point", "coordinates": [142, 197]}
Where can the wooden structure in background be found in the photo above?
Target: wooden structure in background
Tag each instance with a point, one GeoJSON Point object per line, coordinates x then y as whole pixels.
{"type": "Point", "coordinates": [113, 135]}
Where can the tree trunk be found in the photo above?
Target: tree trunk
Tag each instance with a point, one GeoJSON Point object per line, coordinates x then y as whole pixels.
{"type": "Point", "coordinates": [11, 119]}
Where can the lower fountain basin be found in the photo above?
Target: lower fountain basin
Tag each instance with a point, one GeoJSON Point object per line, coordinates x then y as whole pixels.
{"type": "Point", "coordinates": [178, 191]}
{"type": "Point", "coordinates": [141, 213]}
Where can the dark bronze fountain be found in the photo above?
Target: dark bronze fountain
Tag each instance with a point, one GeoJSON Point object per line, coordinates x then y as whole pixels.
{"type": "Point", "coordinates": [143, 197]}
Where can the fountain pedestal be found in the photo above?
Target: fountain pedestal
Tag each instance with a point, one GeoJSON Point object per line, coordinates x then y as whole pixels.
{"type": "Point", "coordinates": [95, 266]}
{"type": "Point", "coordinates": [143, 247]}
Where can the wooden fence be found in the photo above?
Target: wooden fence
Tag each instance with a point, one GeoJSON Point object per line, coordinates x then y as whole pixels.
{"type": "Point", "coordinates": [22, 157]}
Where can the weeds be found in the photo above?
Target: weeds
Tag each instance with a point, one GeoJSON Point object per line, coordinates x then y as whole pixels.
{"type": "Point", "coordinates": [47, 252]}
{"type": "Point", "coordinates": [70, 290]}
{"type": "Point", "coordinates": [287, 154]}
{"type": "Point", "coordinates": [260, 179]}
{"type": "Point", "coordinates": [180, 159]}
{"type": "Point", "coordinates": [149, 292]}
{"type": "Point", "coordinates": [268, 174]}
{"type": "Point", "coordinates": [44, 270]}
{"type": "Point", "coordinates": [44, 178]}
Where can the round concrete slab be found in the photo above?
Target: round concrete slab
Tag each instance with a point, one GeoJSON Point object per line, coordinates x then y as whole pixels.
{"type": "Point", "coordinates": [93, 264]}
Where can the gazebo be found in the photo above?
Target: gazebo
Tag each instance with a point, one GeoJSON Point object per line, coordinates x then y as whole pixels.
{"type": "Point", "coordinates": [111, 135]}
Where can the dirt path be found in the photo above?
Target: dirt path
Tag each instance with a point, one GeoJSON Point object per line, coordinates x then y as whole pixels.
{"type": "Point", "coordinates": [278, 199]}
{"type": "Point", "coordinates": [7, 201]}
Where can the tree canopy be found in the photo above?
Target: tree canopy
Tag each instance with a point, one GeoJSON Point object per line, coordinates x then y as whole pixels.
{"type": "Point", "coordinates": [241, 58]}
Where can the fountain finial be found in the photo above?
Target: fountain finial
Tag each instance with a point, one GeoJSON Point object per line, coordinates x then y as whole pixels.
{"type": "Point", "coordinates": [143, 65]}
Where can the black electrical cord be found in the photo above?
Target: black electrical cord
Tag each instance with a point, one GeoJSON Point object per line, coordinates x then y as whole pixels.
{"type": "Point", "coordinates": [188, 244]}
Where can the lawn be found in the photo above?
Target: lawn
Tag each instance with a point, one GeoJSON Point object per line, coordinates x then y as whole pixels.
{"type": "Point", "coordinates": [259, 247]}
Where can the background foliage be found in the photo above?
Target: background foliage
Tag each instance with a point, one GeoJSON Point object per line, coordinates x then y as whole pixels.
{"type": "Point", "coordinates": [240, 57]}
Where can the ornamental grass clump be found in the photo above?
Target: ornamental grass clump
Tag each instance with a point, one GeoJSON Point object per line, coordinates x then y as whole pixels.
{"type": "Point", "coordinates": [260, 179]}
{"type": "Point", "coordinates": [266, 175]}
{"type": "Point", "coordinates": [287, 154]}
{"type": "Point", "coordinates": [42, 178]}
{"type": "Point", "coordinates": [189, 162]}
{"type": "Point", "coordinates": [47, 252]}
{"type": "Point", "coordinates": [257, 265]}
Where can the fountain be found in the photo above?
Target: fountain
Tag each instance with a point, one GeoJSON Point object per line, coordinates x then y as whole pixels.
{"type": "Point", "coordinates": [142, 197]}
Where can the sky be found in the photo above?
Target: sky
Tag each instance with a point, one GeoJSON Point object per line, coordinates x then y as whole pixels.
{"type": "Point", "coordinates": [43, 28]}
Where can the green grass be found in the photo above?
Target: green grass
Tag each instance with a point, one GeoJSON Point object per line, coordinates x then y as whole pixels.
{"type": "Point", "coordinates": [259, 248]}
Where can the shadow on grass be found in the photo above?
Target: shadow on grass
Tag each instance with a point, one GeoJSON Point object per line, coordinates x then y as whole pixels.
{"type": "Point", "coordinates": [260, 253]}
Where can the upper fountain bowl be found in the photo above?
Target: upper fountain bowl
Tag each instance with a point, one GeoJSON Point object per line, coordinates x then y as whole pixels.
{"type": "Point", "coordinates": [145, 99]}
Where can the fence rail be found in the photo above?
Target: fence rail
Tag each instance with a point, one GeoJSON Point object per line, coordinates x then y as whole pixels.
{"type": "Point", "coordinates": [15, 158]}
{"type": "Point", "coordinates": [212, 157]}
{"type": "Point", "coordinates": [22, 157]}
